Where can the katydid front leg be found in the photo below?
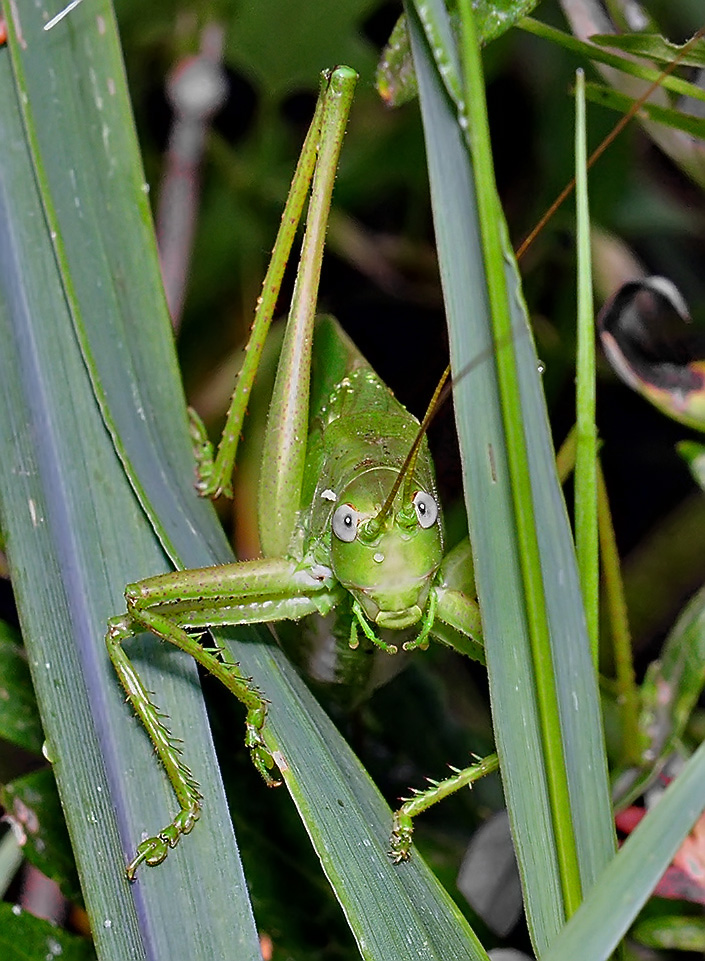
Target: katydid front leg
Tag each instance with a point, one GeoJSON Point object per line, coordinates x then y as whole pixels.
{"type": "Point", "coordinates": [167, 605]}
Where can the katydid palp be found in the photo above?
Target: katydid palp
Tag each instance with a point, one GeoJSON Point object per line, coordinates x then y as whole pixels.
{"type": "Point", "coordinates": [350, 525]}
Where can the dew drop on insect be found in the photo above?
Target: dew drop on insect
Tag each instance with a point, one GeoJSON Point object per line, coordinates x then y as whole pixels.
{"type": "Point", "coordinates": [378, 557]}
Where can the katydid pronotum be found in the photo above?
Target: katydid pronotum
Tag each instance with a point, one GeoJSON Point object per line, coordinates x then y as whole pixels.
{"type": "Point", "coordinates": [349, 524]}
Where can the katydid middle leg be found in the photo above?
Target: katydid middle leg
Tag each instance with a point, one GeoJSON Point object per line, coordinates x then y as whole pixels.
{"type": "Point", "coordinates": [457, 625]}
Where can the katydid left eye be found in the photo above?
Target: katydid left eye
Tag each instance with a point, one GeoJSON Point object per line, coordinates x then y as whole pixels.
{"type": "Point", "coordinates": [426, 509]}
{"type": "Point", "coordinates": [345, 521]}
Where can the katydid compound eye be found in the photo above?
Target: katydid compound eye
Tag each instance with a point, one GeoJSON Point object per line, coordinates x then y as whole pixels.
{"type": "Point", "coordinates": [426, 509]}
{"type": "Point", "coordinates": [345, 522]}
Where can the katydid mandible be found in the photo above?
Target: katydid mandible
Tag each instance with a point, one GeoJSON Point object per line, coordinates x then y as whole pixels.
{"type": "Point", "coordinates": [344, 532]}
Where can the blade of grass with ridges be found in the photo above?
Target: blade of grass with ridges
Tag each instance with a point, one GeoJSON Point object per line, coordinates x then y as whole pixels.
{"type": "Point", "coordinates": [75, 534]}
{"type": "Point", "coordinates": [491, 500]}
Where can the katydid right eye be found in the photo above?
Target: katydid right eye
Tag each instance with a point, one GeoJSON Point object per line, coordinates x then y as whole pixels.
{"type": "Point", "coordinates": [345, 521]}
{"type": "Point", "coordinates": [426, 509]}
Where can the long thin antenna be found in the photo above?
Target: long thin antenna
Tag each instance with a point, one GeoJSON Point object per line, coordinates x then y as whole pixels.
{"type": "Point", "coordinates": [616, 130]}
{"type": "Point", "coordinates": [441, 393]}
{"type": "Point", "coordinates": [407, 468]}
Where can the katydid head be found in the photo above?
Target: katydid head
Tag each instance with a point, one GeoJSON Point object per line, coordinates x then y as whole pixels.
{"type": "Point", "coordinates": [387, 565]}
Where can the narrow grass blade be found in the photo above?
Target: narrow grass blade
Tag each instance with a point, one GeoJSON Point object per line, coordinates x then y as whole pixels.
{"type": "Point", "coordinates": [501, 588]}
{"type": "Point", "coordinates": [593, 933]}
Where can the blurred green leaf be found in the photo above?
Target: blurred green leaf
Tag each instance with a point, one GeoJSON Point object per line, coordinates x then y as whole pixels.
{"type": "Point", "coordinates": [674, 682]}
{"type": "Point", "coordinates": [396, 80]}
{"type": "Point", "coordinates": [19, 717]}
{"type": "Point", "coordinates": [668, 116]}
{"type": "Point", "coordinates": [33, 803]}
{"type": "Point", "coordinates": [24, 937]}
{"type": "Point", "coordinates": [654, 46]}
{"type": "Point", "coordinates": [694, 454]}
{"type": "Point", "coordinates": [671, 933]}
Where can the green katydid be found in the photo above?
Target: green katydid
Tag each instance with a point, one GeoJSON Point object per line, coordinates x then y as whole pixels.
{"type": "Point", "coordinates": [349, 520]}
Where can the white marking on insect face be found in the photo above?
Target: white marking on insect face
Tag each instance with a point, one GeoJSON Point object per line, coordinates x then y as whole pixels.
{"type": "Point", "coordinates": [329, 495]}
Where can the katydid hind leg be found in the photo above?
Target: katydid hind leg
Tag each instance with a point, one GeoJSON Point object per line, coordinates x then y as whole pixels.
{"type": "Point", "coordinates": [284, 455]}
{"type": "Point", "coordinates": [153, 850]}
{"type": "Point", "coordinates": [215, 472]}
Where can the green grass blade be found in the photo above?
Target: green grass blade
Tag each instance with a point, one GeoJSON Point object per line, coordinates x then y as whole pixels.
{"type": "Point", "coordinates": [586, 432]}
{"type": "Point", "coordinates": [609, 909]}
{"type": "Point", "coordinates": [95, 201]}
{"type": "Point", "coordinates": [92, 193]}
{"type": "Point", "coordinates": [596, 53]}
{"type": "Point", "coordinates": [668, 116]}
{"type": "Point", "coordinates": [494, 533]}
{"type": "Point", "coordinates": [75, 534]}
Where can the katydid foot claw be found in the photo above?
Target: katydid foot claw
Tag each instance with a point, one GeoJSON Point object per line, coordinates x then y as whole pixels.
{"type": "Point", "coordinates": [153, 851]}
{"type": "Point", "coordinates": [261, 757]}
{"type": "Point", "coordinates": [400, 840]}
{"type": "Point", "coordinates": [208, 484]}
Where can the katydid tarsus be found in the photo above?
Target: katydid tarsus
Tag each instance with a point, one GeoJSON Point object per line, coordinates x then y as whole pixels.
{"type": "Point", "coordinates": [350, 526]}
